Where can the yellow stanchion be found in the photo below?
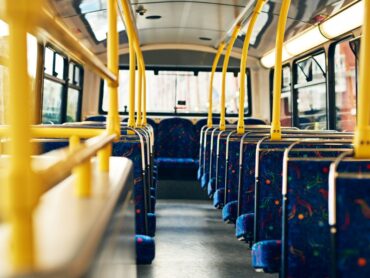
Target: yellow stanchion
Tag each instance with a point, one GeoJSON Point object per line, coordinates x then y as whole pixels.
{"type": "Point", "coordinates": [224, 71]}
{"type": "Point", "coordinates": [275, 125]}
{"type": "Point", "coordinates": [22, 188]}
{"type": "Point", "coordinates": [140, 93]}
{"type": "Point", "coordinates": [362, 132]}
{"type": "Point", "coordinates": [210, 95]}
{"type": "Point", "coordinates": [144, 120]}
{"type": "Point", "coordinates": [243, 64]}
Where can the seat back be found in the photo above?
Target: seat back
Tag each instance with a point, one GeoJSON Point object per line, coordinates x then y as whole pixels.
{"type": "Point", "coordinates": [176, 138]}
{"type": "Point", "coordinates": [351, 242]}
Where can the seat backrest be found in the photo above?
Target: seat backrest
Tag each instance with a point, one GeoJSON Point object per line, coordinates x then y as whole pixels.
{"type": "Point", "coordinates": [352, 206]}
{"type": "Point", "coordinates": [306, 235]}
{"type": "Point", "coordinates": [176, 138]}
{"type": "Point", "coordinates": [254, 121]}
{"type": "Point", "coordinates": [96, 118]}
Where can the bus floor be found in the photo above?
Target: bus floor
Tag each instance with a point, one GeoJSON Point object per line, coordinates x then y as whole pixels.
{"type": "Point", "coordinates": [192, 241]}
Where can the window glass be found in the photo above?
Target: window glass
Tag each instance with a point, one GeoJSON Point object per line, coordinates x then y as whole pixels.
{"type": "Point", "coordinates": [59, 66]}
{"type": "Point", "coordinates": [49, 59]}
{"type": "Point", "coordinates": [181, 91]}
{"type": "Point", "coordinates": [345, 86]}
{"type": "Point", "coordinates": [72, 105]}
{"type": "Point", "coordinates": [311, 92]}
{"type": "Point", "coordinates": [52, 102]}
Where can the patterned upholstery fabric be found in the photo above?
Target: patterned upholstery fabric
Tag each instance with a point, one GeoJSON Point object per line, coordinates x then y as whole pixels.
{"type": "Point", "coordinates": [211, 188]}
{"type": "Point", "coordinates": [218, 198]}
{"type": "Point", "coordinates": [254, 121]}
{"type": "Point", "coordinates": [352, 240]}
{"type": "Point", "coordinates": [232, 173]}
{"type": "Point", "coordinates": [145, 249]}
{"type": "Point", "coordinates": [205, 159]}
{"type": "Point", "coordinates": [305, 216]}
{"type": "Point", "coordinates": [266, 255]}
{"type": "Point", "coordinates": [97, 118]}
{"type": "Point", "coordinates": [244, 227]}
{"type": "Point", "coordinates": [152, 224]}
{"type": "Point", "coordinates": [169, 162]}
{"type": "Point", "coordinates": [229, 212]}
{"type": "Point", "coordinates": [221, 164]}
{"type": "Point", "coordinates": [176, 138]}
{"type": "Point", "coordinates": [153, 124]}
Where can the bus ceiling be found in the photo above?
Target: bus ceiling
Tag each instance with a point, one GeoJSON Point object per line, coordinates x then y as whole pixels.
{"type": "Point", "coordinates": [198, 25]}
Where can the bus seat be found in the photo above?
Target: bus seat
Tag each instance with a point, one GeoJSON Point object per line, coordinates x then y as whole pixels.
{"type": "Point", "coordinates": [96, 118]}
{"type": "Point", "coordinates": [218, 198]}
{"type": "Point", "coordinates": [176, 145]}
{"type": "Point", "coordinates": [229, 212]}
{"type": "Point", "coordinates": [145, 249]}
{"type": "Point", "coordinates": [219, 195]}
{"type": "Point", "coordinates": [244, 227]}
{"type": "Point", "coordinates": [254, 121]}
{"type": "Point", "coordinates": [266, 255]}
{"type": "Point", "coordinates": [351, 252]}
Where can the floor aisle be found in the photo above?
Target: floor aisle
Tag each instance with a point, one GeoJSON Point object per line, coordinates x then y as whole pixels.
{"type": "Point", "coordinates": [193, 242]}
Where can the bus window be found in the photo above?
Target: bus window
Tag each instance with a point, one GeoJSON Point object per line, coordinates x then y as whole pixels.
{"type": "Point", "coordinates": [345, 69]}
{"type": "Point", "coordinates": [182, 92]}
{"type": "Point", "coordinates": [286, 96]}
{"type": "Point", "coordinates": [62, 89]}
{"type": "Point", "coordinates": [310, 88]}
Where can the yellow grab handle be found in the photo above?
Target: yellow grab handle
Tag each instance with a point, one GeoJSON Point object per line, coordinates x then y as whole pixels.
{"type": "Point", "coordinates": [210, 96]}
{"type": "Point", "coordinates": [144, 120]}
{"type": "Point", "coordinates": [224, 70]}
{"type": "Point", "coordinates": [362, 132]}
{"type": "Point", "coordinates": [275, 125]}
{"type": "Point", "coordinates": [140, 91]}
{"type": "Point", "coordinates": [243, 64]}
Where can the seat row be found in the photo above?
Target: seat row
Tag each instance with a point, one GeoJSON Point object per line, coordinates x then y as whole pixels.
{"type": "Point", "coordinates": [302, 203]}
{"type": "Point", "coordinates": [137, 145]}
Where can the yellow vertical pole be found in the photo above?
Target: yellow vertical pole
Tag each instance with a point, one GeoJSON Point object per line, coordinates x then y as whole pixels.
{"type": "Point", "coordinates": [224, 71]}
{"type": "Point", "coordinates": [144, 120]}
{"type": "Point", "coordinates": [243, 64]}
{"type": "Point", "coordinates": [210, 94]}
{"type": "Point", "coordinates": [113, 124]}
{"type": "Point", "coordinates": [275, 125]}
{"type": "Point", "coordinates": [140, 92]}
{"type": "Point", "coordinates": [22, 188]}
{"type": "Point", "coordinates": [131, 109]}
{"type": "Point", "coordinates": [362, 132]}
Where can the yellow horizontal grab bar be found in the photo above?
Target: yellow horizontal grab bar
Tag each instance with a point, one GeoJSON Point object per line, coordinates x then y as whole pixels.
{"type": "Point", "coordinates": [56, 132]}
{"type": "Point", "coordinates": [57, 172]}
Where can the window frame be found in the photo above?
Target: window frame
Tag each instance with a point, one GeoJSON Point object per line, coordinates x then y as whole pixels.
{"type": "Point", "coordinates": [295, 88]}
{"type": "Point", "coordinates": [64, 81]}
{"type": "Point", "coordinates": [196, 71]}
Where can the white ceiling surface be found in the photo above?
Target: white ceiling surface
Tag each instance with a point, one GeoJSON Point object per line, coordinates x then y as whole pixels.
{"type": "Point", "coordinates": [186, 21]}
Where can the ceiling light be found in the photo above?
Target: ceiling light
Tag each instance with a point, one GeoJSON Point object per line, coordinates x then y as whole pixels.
{"type": "Point", "coordinates": [343, 22]}
{"type": "Point", "coordinates": [153, 17]}
{"type": "Point", "coordinates": [268, 60]}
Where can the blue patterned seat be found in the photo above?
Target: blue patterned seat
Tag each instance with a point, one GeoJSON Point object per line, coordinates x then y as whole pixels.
{"type": "Point", "coordinates": [97, 118]}
{"type": "Point", "coordinates": [229, 212]}
{"type": "Point", "coordinates": [244, 227]}
{"type": "Point", "coordinates": [176, 140]}
{"type": "Point", "coordinates": [266, 255]}
{"type": "Point", "coordinates": [351, 256]}
{"type": "Point", "coordinates": [204, 164]}
{"type": "Point", "coordinates": [305, 216]}
{"type": "Point", "coordinates": [254, 121]}
{"type": "Point", "coordinates": [218, 198]}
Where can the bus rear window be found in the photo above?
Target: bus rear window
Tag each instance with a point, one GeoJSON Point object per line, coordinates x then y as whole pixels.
{"type": "Point", "coordinates": [182, 92]}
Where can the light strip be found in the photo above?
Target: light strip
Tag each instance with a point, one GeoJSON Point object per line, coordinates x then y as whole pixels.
{"type": "Point", "coordinates": [340, 23]}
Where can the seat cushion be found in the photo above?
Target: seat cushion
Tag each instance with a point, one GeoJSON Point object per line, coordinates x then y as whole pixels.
{"type": "Point", "coordinates": [211, 187]}
{"type": "Point", "coordinates": [266, 255]}
{"type": "Point", "coordinates": [178, 163]}
{"type": "Point", "coordinates": [145, 249]}
{"type": "Point", "coordinates": [204, 180]}
{"type": "Point", "coordinates": [244, 227]}
{"type": "Point", "coordinates": [218, 198]}
{"type": "Point", "coordinates": [230, 211]}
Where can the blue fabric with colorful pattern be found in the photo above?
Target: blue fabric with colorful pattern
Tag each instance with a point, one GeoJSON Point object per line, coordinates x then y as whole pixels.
{"type": "Point", "coordinates": [352, 239]}
{"type": "Point", "coordinates": [218, 198]}
{"type": "Point", "coordinates": [232, 173]}
{"type": "Point", "coordinates": [152, 224]}
{"type": "Point", "coordinates": [305, 216]}
{"type": "Point", "coordinates": [244, 227]}
{"type": "Point", "coordinates": [176, 138]}
{"type": "Point", "coordinates": [266, 255]}
{"type": "Point", "coordinates": [145, 249]}
{"type": "Point", "coordinates": [183, 163]}
{"type": "Point", "coordinates": [221, 164]}
{"type": "Point", "coordinates": [211, 187]}
{"type": "Point", "coordinates": [229, 212]}
{"type": "Point", "coordinates": [205, 159]}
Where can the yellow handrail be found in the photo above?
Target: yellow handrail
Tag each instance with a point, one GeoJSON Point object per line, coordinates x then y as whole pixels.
{"type": "Point", "coordinates": [275, 125]}
{"type": "Point", "coordinates": [139, 95]}
{"type": "Point", "coordinates": [224, 70]}
{"type": "Point", "coordinates": [362, 132]}
{"type": "Point", "coordinates": [144, 120]}
{"type": "Point", "coordinates": [243, 64]}
{"type": "Point", "coordinates": [210, 96]}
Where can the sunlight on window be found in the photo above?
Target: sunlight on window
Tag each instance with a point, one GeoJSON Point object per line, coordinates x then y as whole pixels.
{"type": "Point", "coordinates": [98, 24]}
